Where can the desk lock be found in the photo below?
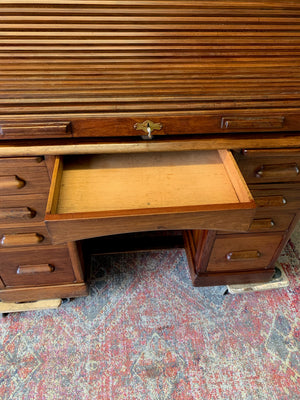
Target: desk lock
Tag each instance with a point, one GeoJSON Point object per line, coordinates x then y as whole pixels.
{"type": "Point", "coordinates": [148, 127]}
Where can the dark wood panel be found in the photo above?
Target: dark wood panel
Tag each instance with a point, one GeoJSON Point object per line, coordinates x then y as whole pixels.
{"type": "Point", "coordinates": [238, 253]}
{"type": "Point", "coordinates": [18, 179]}
{"type": "Point", "coordinates": [55, 256]}
{"type": "Point", "coordinates": [22, 209]}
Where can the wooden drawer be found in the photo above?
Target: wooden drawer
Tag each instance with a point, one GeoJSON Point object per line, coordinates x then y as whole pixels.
{"type": "Point", "coordinates": [269, 221]}
{"type": "Point", "coordinates": [23, 176]}
{"type": "Point", "coordinates": [33, 235]}
{"type": "Point", "coordinates": [108, 194]}
{"type": "Point", "coordinates": [22, 209]}
{"type": "Point", "coordinates": [262, 166]}
{"type": "Point", "coordinates": [277, 197]}
{"type": "Point", "coordinates": [243, 252]}
{"type": "Point", "coordinates": [35, 130]}
{"type": "Point", "coordinates": [36, 266]}
{"type": "Point", "coordinates": [199, 122]}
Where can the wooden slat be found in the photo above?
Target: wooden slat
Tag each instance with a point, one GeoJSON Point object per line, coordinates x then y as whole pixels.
{"type": "Point", "coordinates": [102, 57]}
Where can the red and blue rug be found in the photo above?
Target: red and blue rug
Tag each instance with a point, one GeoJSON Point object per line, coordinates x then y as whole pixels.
{"type": "Point", "coordinates": [145, 333]}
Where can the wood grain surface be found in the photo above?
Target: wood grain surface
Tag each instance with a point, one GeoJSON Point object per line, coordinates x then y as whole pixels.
{"type": "Point", "coordinates": [123, 61]}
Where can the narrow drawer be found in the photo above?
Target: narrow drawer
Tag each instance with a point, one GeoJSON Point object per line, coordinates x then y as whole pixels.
{"type": "Point", "coordinates": [23, 176]}
{"type": "Point", "coordinates": [266, 221]}
{"type": "Point", "coordinates": [271, 222]}
{"type": "Point", "coordinates": [109, 194]}
{"type": "Point", "coordinates": [21, 162]}
{"type": "Point", "coordinates": [262, 166]}
{"type": "Point", "coordinates": [35, 130]}
{"type": "Point", "coordinates": [33, 235]}
{"type": "Point", "coordinates": [243, 252]}
{"type": "Point", "coordinates": [198, 123]}
{"type": "Point", "coordinates": [36, 266]}
{"type": "Point", "coordinates": [278, 197]}
{"type": "Point", "coordinates": [22, 209]}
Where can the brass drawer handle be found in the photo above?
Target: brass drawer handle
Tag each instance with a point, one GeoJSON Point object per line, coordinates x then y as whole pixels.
{"type": "Point", "coordinates": [11, 182]}
{"type": "Point", "coordinates": [262, 223]}
{"type": "Point", "coordinates": [35, 269]}
{"type": "Point", "coordinates": [243, 255]}
{"type": "Point", "coordinates": [270, 201]}
{"type": "Point", "coordinates": [21, 239]}
{"type": "Point", "coordinates": [17, 213]}
{"type": "Point", "coordinates": [290, 170]}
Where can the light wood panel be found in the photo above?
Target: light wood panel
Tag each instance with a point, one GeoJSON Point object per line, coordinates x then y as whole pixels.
{"type": "Point", "coordinates": [144, 181]}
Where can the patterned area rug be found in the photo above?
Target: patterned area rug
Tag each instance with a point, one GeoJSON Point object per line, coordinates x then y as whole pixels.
{"type": "Point", "coordinates": [145, 333]}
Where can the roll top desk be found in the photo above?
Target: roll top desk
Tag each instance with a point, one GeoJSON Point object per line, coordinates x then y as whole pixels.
{"type": "Point", "coordinates": [133, 116]}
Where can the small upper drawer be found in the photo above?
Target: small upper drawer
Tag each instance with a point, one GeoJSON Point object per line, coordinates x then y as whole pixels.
{"type": "Point", "coordinates": [22, 209]}
{"type": "Point", "coordinates": [262, 166]}
{"type": "Point", "coordinates": [23, 176]}
{"type": "Point", "coordinates": [33, 235]}
{"type": "Point", "coordinates": [34, 130]}
{"type": "Point", "coordinates": [266, 221]}
{"type": "Point", "coordinates": [108, 194]}
{"type": "Point", "coordinates": [36, 266]}
{"type": "Point", "coordinates": [280, 197]}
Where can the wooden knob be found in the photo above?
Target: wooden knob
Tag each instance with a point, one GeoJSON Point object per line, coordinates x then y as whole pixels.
{"type": "Point", "coordinates": [17, 213]}
{"type": "Point", "coordinates": [11, 182]}
{"type": "Point", "coordinates": [35, 269]}
{"type": "Point", "coordinates": [21, 239]}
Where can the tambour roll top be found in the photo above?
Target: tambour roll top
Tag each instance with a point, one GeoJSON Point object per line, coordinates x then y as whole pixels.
{"type": "Point", "coordinates": [194, 66]}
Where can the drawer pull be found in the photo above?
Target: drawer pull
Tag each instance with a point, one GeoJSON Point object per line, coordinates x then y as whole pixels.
{"type": "Point", "coordinates": [252, 122]}
{"type": "Point", "coordinates": [21, 239]}
{"type": "Point", "coordinates": [35, 130]}
{"type": "Point", "coordinates": [278, 171]}
{"type": "Point", "coordinates": [243, 255]}
{"type": "Point", "coordinates": [34, 269]}
{"type": "Point", "coordinates": [270, 201]}
{"type": "Point", "coordinates": [263, 223]}
{"type": "Point", "coordinates": [17, 213]}
{"type": "Point", "coordinates": [11, 182]}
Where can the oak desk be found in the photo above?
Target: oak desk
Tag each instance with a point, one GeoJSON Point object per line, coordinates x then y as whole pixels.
{"type": "Point", "coordinates": [132, 116]}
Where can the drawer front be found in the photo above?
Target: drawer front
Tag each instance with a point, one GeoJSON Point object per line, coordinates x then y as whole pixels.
{"type": "Point", "coordinates": [35, 130]}
{"type": "Point", "coordinates": [18, 179]}
{"type": "Point", "coordinates": [243, 252]}
{"type": "Point", "coordinates": [22, 209]}
{"type": "Point", "coordinates": [37, 266]}
{"type": "Point", "coordinates": [270, 222]}
{"type": "Point", "coordinates": [173, 125]}
{"type": "Point", "coordinates": [277, 197]}
{"type": "Point", "coordinates": [160, 124]}
{"type": "Point", "coordinates": [36, 235]}
{"type": "Point", "coordinates": [266, 221]}
{"type": "Point", "coordinates": [21, 162]}
{"type": "Point", "coordinates": [263, 166]}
